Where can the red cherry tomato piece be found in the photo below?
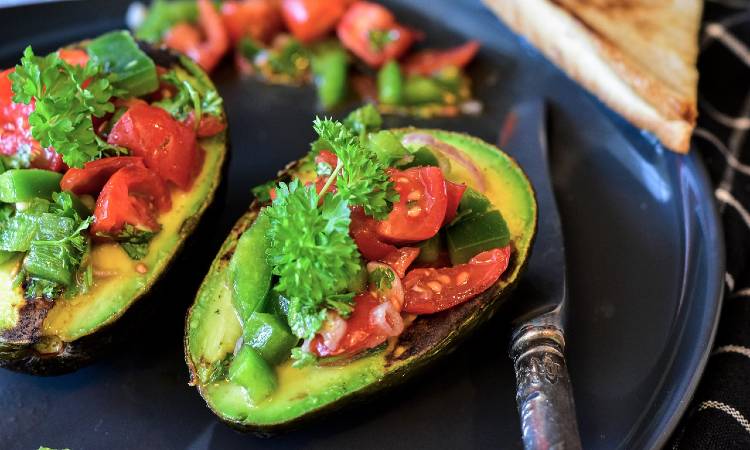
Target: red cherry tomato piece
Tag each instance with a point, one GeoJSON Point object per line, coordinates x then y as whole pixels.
{"type": "Point", "coordinates": [359, 335]}
{"type": "Point", "coordinates": [95, 174]}
{"type": "Point", "coordinates": [401, 259]}
{"type": "Point", "coordinates": [210, 125]}
{"type": "Point", "coordinates": [258, 19]}
{"type": "Point", "coordinates": [133, 195]}
{"type": "Point", "coordinates": [454, 192]}
{"type": "Point", "coordinates": [74, 57]}
{"type": "Point", "coordinates": [421, 208]}
{"type": "Point", "coordinates": [309, 20]}
{"type": "Point", "coordinates": [427, 62]}
{"type": "Point", "coordinates": [327, 157]}
{"type": "Point", "coordinates": [428, 291]}
{"type": "Point", "coordinates": [363, 230]}
{"type": "Point", "coordinates": [168, 147]}
{"type": "Point", "coordinates": [371, 32]}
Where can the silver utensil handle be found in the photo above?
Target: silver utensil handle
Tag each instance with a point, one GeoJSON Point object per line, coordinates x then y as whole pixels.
{"type": "Point", "coordinates": [543, 390]}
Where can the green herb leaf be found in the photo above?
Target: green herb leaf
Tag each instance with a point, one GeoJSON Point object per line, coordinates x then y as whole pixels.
{"type": "Point", "coordinates": [382, 278]}
{"type": "Point", "coordinates": [363, 179]}
{"type": "Point", "coordinates": [62, 113]}
{"type": "Point", "coordinates": [312, 253]}
{"type": "Point", "coordinates": [135, 241]}
{"type": "Point", "coordinates": [191, 96]}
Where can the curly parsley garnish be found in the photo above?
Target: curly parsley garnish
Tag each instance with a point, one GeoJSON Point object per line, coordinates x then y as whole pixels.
{"type": "Point", "coordinates": [62, 114]}
{"type": "Point", "coordinates": [361, 178]}
{"type": "Point", "coordinates": [312, 253]}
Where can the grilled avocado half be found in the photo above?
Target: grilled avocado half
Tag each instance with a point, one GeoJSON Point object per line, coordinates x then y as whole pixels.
{"type": "Point", "coordinates": [212, 327]}
{"type": "Point", "coordinates": [52, 337]}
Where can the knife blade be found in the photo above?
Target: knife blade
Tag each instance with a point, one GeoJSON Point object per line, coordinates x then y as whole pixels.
{"type": "Point", "coordinates": [543, 390]}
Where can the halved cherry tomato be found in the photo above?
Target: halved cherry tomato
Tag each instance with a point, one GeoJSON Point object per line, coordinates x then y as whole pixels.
{"type": "Point", "coordinates": [401, 259]}
{"type": "Point", "coordinates": [371, 32]}
{"type": "Point", "coordinates": [427, 62]}
{"type": "Point", "coordinates": [74, 57]}
{"type": "Point", "coordinates": [454, 192]}
{"type": "Point", "coordinates": [363, 230]}
{"type": "Point", "coordinates": [429, 291]}
{"type": "Point", "coordinates": [133, 195]}
{"type": "Point", "coordinates": [182, 37]}
{"type": "Point", "coordinates": [168, 147]}
{"type": "Point", "coordinates": [259, 19]}
{"type": "Point", "coordinates": [421, 207]}
{"type": "Point", "coordinates": [209, 126]}
{"type": "Point", "coordinates": [309, 20]}
{"type": "Point", "coordinates": [95, 174]}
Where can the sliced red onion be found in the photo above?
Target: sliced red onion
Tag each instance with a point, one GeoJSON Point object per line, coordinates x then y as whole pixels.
{"type": "Point", "coordinates": [333, 330]}
{"type": "Point", "coordinates": [449, 151]}
{"type": "Point", "coordinates": [386, 320]}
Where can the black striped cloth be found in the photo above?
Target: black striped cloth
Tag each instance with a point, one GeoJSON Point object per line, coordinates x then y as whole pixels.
{"type": "Point", "coordinates": [719, 416]}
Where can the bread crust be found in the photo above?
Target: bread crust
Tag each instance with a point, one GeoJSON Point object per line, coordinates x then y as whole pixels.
{"type": "Point", "coordinates": [609, 70]}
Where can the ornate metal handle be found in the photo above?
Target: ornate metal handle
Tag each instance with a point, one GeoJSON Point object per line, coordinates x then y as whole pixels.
{"type": "Point", "coordinates": [543, 390]}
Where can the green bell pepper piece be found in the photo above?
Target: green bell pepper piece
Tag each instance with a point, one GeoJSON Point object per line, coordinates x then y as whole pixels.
{"type": "Point", "coordinates": [476, 233]}
{"type": "Point", "coordinates": [330, 67]}
{"type": "Point", "coordinates": [250, 273]}
{"type": "Point", "coordinates": [390, 83]}
{"type": "Point", "coordinates": [419, 90]}
{"type": "Point", "coordinates": [23, 185]}
{"type": "Point", "coordinates": [249, 370]}
{"type": "Point", "coordinates": [269, 336]}
{"type": "Point", "coordinates": [118, 53]}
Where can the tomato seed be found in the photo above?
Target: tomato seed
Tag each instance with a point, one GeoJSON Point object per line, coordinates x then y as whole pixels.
{"type": "Point", "coordinates": [141, 268]}
{"type": "Point", "coordinates": [403, 180]}
{"type": "Point", "coordinates": [445, 279]}
{"type": "Point", "coordinates": [414, 195]}
{"type": "Point", "coordinates": [414, 212]}
{"type": "Point", "coordinates": [435, 286]}
{"type": "Point", "coordinates": [462, 278]}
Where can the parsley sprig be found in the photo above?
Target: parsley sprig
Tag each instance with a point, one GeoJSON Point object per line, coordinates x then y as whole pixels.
{"type": "Point", "coordinates": [63, 109]}
{"type": "Point", "coordinates": [361, 178]}
{"type": "Point", "coordinates": [312, 253]}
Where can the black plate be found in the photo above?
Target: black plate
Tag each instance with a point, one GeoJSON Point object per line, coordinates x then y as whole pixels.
{"type": "Point", "coordinates": [645, 262]}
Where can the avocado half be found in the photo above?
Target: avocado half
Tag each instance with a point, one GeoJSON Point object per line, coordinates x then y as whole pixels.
{"type": "Point", "coordinates": [53, 337]}
{"type": "Point", "coordinates": [212, 327]}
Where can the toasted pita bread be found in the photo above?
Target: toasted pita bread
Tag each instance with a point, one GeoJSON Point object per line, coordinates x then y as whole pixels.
{"type": "Point", "coordinates": [637, 56]}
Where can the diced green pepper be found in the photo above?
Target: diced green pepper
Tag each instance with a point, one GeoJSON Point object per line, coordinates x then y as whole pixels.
{"type": "Point", "coordinates": [390, 83]}
{"type": "Point", "coordinates": [249, 370]}
{"type": "Point", "coordinates": [249, 271]}
{"type": "Point", "coordinates": [118, 53]}
{"type": "Point", "coordinates": [364, 119]}
{"type": "Point", "coordinates": [419, 90]}
{"type": "Point", "coordinates": [421, 158]}
{"type": "Point", "coordinates": [276, 304]}
{"type": "Point", "coordinates": [18, 232]}
{"type": "Point", "coordinates": [163, 15]}
{"type": "Point", "coordinates": [23, 185]}
{"type": "Point", "coordinates": [269, 336]}
{"type": "Point", "coordinates": [472, 202]}
{"type": "Point", "coordinates": [387, 146]}
{"type": "Point", "coordinates": [450, 78]}
{"type": "Point", "coordinates": [476, 233]}
{"type": "Point", "coordinates": [429, 250]}
{"type": "Point", "coordinates": [330, 67]}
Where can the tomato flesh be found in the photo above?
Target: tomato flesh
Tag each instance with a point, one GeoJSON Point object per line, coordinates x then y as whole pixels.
{"type": "Point", "coordinates": [132, 195]}
{"type": "Point", "coordinates": [309, 20]}
{"type": "Point", "coordinates": [428, 62]}
{"type": "Point", "coordinates": [258, 19]}
{"type": "Point", "coordinates": [95, 174]}
{"type": "Point", "coordinates": [421, 207]}
{"type": "Point", "coordinates": [400, 259]}
{"type": "Point", "coordinates": [210, 125]}
{"type": "Point", "coordinates": [363, 230]}
{"type": "Point", "coordinates": [362, 21]}
{"type": "Point", "coordinates": [360, 334]}
{"type": "Point", "coordinates": [74, 57]}
{"type": "Point", "coordinates": [428, 291]}
{"type": "Point", "coordinates": [454, 193]}
{"type": "Point", "coordinates": [168, 147]}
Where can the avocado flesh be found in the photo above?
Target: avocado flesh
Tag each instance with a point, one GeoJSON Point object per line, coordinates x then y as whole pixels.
{"type": "Point", "coordinates": [56, 330]}
{"type": "Point", "coordinates": [213, 329]}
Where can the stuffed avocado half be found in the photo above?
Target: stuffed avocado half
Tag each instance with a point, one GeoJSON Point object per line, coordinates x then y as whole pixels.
{"type": "Point", "coordinates": [364, 261]}
{"type": "Point", "coordinates": [111, 150]}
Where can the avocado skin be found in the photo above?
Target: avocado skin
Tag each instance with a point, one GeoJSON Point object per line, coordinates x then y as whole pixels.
{"type": "Point", "coordinates": [427, 339]}
{"type": "Point", "coordinates": [17, 350]}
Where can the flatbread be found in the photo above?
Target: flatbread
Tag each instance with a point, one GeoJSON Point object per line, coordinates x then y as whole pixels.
{"type": "Point", "coordinates": [637, 56]}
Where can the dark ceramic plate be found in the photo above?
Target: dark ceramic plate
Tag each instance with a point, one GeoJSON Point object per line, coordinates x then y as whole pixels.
{"type": "Point", "coordinates": [645, 267]}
